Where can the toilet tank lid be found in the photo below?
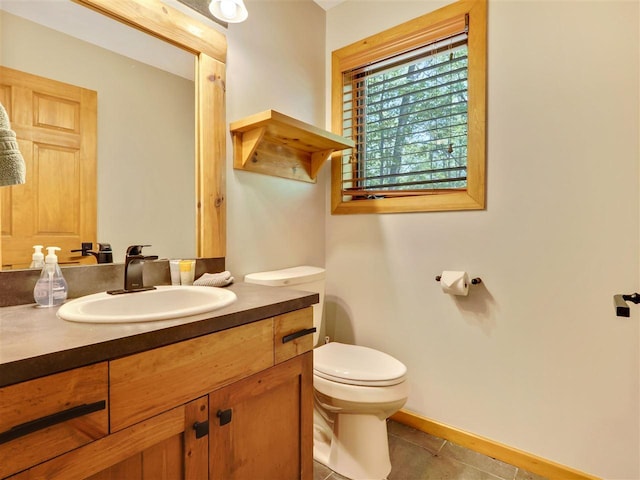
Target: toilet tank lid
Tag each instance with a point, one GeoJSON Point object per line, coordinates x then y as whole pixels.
{"type": "Point", "coordinates": [286, 276]}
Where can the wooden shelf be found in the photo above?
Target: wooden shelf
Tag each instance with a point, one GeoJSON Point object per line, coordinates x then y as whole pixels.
{"type": "Point", "coordinates": [275, 144]}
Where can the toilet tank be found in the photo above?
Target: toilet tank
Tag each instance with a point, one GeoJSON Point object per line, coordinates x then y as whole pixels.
{"type": "Point", "coordinates": [306, 278]}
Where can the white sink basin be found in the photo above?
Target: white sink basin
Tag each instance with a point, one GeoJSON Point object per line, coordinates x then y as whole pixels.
{"type": "Point", "coordinates": [163, 303]}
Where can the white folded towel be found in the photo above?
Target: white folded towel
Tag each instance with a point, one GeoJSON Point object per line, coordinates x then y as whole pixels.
{"type": "Point", "coordinates": [221, 279]}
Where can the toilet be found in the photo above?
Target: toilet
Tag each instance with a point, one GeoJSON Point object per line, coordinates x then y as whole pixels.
{"type": "Point", "coordinates": [356, 389]}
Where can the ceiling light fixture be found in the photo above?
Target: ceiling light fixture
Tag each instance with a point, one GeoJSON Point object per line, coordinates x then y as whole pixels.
{"type": "Point", "coordinates": [232, 11]}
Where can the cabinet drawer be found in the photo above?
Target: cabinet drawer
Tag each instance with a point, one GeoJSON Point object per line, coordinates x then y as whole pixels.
{"type": "Point", "coordinates": [293, 334]}
{"type": "Point", "coordinates": [48, 416]}
{"type": "Point", "coordinates": [148, 383]}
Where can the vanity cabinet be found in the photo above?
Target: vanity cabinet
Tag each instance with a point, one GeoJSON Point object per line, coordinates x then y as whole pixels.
{"type": "Point", "coordinates": [235, 404]}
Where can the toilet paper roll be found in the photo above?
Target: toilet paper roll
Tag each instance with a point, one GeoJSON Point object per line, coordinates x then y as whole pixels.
{"type": "Point", "coordinates": [455, 283]}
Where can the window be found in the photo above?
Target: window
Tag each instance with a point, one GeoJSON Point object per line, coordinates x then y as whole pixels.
{"type": "Point", "coordinates": [413, 100]}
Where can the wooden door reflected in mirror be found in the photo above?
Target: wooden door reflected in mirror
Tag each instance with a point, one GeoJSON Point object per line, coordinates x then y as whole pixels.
{"type": "Point", "coordinates": [55, 124]}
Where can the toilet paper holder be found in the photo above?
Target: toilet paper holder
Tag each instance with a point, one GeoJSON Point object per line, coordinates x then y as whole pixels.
{"type": "Point", "coordinates": [474, 281]}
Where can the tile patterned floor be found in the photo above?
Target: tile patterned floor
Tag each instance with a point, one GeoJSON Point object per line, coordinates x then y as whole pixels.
{"type": "Point", "coordinates": [419, 456]}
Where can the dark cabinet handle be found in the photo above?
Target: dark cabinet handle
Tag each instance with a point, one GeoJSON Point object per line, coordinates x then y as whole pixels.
{"type": "Point", "coordinates": [224, 416]}
{"type": "Point", "coordinates": [201, 428]}
{"type": "Point", "coordinates": [301, 333]}
{"type": "Point", "coordinates": [50, 420]}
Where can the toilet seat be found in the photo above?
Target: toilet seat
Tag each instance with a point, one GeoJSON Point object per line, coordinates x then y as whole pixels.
{"type": "Point", "coordinates": [357, 365]}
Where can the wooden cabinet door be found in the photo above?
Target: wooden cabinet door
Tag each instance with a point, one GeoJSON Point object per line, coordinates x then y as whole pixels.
{"type": "Point", "coordinates": [262, 426]}
{"type": "Point", "coordinates": [166, 446]}
{"type": "Point", "coordinates": [56, 128]}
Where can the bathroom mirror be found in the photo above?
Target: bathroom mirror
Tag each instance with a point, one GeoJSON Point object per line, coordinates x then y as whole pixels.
{"type": "Point", "coordinates": [204, 204]}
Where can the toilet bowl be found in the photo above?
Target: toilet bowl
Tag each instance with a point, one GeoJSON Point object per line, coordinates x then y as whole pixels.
{"type": "Point", "coordinates": [356, 389]}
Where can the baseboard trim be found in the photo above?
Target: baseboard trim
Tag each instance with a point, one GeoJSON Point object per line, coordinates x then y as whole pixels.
{"type": "Point", "coordinates": [513, 456]}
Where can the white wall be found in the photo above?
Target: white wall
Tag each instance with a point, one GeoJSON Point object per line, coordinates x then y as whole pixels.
{"type": "Point", "coordinates": [275, 61]}
{"type": "Point", "coordinates": [535, 357]}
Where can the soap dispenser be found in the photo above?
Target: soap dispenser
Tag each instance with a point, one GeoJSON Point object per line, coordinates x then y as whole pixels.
{"type": "Point", "coordinates": [51, 288]}
{"type": "Point", "coordinates": [37, 259]}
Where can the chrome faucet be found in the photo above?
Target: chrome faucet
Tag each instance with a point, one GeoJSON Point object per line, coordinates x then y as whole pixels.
{"type": "Point", "coordinates": [133, 279]}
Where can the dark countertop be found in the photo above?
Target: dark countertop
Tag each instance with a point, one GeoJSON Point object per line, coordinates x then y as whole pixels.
{"type": "Point", "coordinates": [34, 342]}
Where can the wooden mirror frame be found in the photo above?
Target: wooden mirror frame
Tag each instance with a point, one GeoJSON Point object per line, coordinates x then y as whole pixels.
{"type": "Point", "coordinates": [210, 49]}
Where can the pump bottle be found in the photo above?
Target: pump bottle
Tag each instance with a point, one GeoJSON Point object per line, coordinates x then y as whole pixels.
{"type": "Point", "coordinates": [37, 259]}
{"type": "Point", "coordinates": [51, 288]}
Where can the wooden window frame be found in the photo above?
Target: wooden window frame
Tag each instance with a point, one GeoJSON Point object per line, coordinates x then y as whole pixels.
{"type": "Point", "coordinates": [413, 34]}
